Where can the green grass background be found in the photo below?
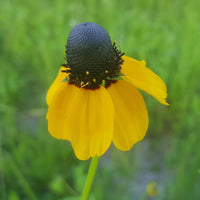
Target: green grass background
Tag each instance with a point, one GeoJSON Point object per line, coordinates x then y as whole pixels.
{"type": "Point", "coordinates": [33, 34]}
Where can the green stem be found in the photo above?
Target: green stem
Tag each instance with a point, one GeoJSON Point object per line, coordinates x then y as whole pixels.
{"type": "Point", "coordinates": [90, 177]}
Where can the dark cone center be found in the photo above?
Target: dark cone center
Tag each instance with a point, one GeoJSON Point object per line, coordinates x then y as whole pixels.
{"type": "Point", "coordinates": [92, 60]}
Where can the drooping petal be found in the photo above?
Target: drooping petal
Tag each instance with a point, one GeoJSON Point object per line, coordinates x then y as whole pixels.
{"type": "Point", "coordinates": [56, 86]}
{"type": "Point", "coordinates": [58, 102]}
{"type": "Point", "coordinates": [91, 118]}
{"type": "Point", "coordinates": [144, 79]}
{"type": "Point", "coordinates": [131, 116]}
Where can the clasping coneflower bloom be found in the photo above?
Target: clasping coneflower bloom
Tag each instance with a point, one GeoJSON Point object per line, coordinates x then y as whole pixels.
{"type": "Point", "coordinates": [94, 100]}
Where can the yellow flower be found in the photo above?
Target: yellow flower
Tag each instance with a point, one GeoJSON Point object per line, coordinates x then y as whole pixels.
{"type": "Point", "coordinates": [152, 189]}
{"type": "Point", "coordinates": [94, 100]}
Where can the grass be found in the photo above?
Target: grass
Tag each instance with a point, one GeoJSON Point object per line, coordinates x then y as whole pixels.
{"type": "Point", "coordinates": [33, 36]}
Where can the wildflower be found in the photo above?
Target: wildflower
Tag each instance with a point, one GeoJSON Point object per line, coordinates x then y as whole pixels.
{"type": "Point", "coordinates": [152, 189]}
{"type": "Point", "coordinates": [94, 99]}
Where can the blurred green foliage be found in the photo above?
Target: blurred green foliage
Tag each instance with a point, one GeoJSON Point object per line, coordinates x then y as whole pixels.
{"type": "Point", "coordinates": [33, 165]}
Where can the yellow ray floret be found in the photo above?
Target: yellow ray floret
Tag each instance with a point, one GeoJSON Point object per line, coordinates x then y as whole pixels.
{"type": "Point", "coordinates": [131, 116]}
{"type": "Point", "coordinates": [143, 78]}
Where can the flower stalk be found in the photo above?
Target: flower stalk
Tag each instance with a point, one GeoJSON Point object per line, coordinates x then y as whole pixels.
{"type": "Point", "coordinates": [90, 178]}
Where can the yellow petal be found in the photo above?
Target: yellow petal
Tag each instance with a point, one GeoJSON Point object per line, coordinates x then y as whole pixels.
{"type": "Point", "coordinates": [91, 118]}
{"type": "Point", "coordinates": [144, 79]}
{"type": "Point", "coordinates": [57, 100]}
{"type": "Point", "coordinates": [57, 85]}
{"type": "Point", "coordinates": [57, 115]}
{"type": "Point", "coordinates": [131, 116]}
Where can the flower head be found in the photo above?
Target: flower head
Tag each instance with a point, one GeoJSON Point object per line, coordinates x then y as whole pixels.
{"type": "Point", "coordinates": [94, 99]}
{"type": "Point", "coordinates": [152, 189]}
